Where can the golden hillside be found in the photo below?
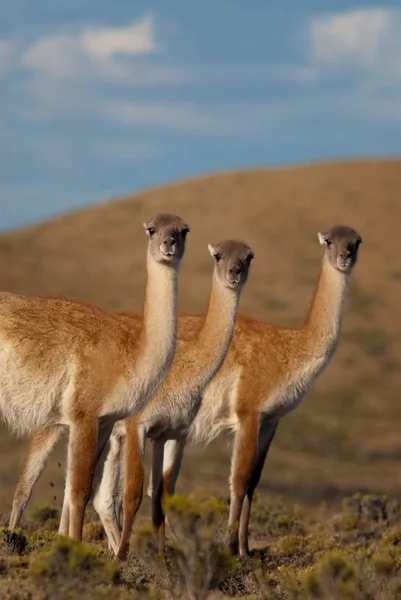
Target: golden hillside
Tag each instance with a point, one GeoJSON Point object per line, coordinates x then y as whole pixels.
{"type": "Point", "coordinates": [346, 435]}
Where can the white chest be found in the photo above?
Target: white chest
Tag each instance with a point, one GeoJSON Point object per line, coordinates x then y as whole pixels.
{"type": "Point", "coordinates": [289, 393]}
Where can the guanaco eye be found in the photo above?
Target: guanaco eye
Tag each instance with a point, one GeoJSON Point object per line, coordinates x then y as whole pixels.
{"type": "Point", "coordinates": [217, 257]}
{"type": "Point", "coordinates": [328, 242]}
{"type": "Point", "coordinates": [151, 231]}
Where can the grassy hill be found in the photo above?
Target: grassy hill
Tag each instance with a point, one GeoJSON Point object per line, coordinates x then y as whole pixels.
{"type": "Point", "coordinates": [345, 437]}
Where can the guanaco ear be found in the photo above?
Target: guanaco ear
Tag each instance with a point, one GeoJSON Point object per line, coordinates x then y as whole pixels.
{"type": "Point", "coordinates": [324, 238]}
{"type": "Point", "coordinates": [148, 228]}
{"type": "Point", "coordinates": [214, 251]}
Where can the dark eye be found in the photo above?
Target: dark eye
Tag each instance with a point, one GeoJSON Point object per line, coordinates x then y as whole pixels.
{"type": "Point", "coordinates": [328, 242]}
{"type": "Point", "coordinates": [249, 258]}
{"type": "Point", "coordinates": [151, 231]}
{"type": "Point", "coordinates": [217, 257]}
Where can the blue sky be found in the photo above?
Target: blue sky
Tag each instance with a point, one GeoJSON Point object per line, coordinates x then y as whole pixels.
{"type": "Point", "coordinates": [101, 98]}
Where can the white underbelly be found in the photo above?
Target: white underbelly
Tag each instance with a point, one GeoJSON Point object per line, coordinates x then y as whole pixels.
{"type": "Point", "coordinates": [217, 411]}
{"type": "Point", "coordinates": [31, 400]}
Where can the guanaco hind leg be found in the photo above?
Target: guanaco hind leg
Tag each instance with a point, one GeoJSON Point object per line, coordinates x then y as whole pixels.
{"type": "Point", "coordinates": [172, 460]}
{"type": "Point", "coordinates": [105, 488]}
{"type": "Point", "coordinates": [37, 455]}
{"type": "Point", "coordinates": [265, 438]}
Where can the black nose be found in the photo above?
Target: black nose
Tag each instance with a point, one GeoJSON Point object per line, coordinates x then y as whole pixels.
{"type": "Point", "coordinates": [168, 244]}
{"type": "Point", "coordinates": [234, 274]}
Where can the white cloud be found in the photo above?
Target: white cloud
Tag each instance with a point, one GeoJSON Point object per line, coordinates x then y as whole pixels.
{"type": "Point", "coordinates": [184, 117]}
{"type": "Point", "coordinates": [67, 55]}
{"type": "Point", "coordinates": [138, 38]}
{"type": "Point", "coordinates": [359, 35]}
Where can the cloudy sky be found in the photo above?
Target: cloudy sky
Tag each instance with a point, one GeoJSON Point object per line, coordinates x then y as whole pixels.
{"type": "Point", "coordinates": [100, 98]}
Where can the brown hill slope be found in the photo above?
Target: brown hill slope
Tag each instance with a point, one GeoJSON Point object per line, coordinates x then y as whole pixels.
{"type": "Point", "coordinates": [346, 435]}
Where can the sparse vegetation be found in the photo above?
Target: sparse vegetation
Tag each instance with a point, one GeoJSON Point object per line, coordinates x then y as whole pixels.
{"type": "Point", "coordinates": [353, 552]}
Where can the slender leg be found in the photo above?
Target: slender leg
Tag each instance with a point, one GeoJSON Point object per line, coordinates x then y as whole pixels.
{"type": "Point", "coordinates": [134, 480]}
{"type": "Point", "coordinates": [104, 431]}
{"type": "Point", "coordinates": [266, 435]}
{"type": "Point", "coordinates": [149, 489]}
{"type": "Point", "coordinates": [243, 461]}
{"type": "Point", "coordinates": [167, 457]}
{"type": "Point", "coordinates": [157, 495]}
{"type": "Point", "coordinates": [172, 460]}
{"type": "Point", "coordinates": [64, 525]}
{"type": "Point", "coordinates": [81, 468]}
{"type": "Point", "coordinates": [106, 480]}
{"type": "Point", "coordinates": [39, 450]}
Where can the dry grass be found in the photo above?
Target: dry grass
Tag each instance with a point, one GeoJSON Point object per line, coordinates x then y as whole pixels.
{"type": "Point", "coordinates": [351, 552]}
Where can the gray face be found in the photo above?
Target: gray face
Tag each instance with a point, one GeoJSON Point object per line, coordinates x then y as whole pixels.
{"type": "Point", "coordinates": [232, 261]}
{"type": "Point", "coordinates": [167, 234]}
{"type": "Point", "coordinates": [342, 245]}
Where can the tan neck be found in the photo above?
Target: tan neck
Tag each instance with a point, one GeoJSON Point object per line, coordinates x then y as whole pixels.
{"type": "Point", "coordinates": [200, 360]}
{"type": "Point", "coordinates": [322, 326]}
{"type": "Point", "coordinates": [159, 333]}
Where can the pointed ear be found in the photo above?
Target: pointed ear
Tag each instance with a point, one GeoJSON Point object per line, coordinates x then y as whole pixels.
{"type": "Point", "coordinates": [321, 237]}
{"type": "Point", "coordinates": [149, 228]}
{"type": "Point", "coordinates": [212, 249]}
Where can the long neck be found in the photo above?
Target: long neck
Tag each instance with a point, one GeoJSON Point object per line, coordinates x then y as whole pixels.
{"type": "Point", "coordinates": [200, 359]}
{"type": "Point", "coordinates": [322, 326]}
{"type": "Point", "coordinates": [159, 333]}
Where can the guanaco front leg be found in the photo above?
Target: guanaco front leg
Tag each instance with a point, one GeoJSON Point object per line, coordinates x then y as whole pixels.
{"type": "Point", "coordinates": [39, 450]}
{"type": "Point", "coordinates": [243, 462]}
{"type": "Point", "coordinates": [167, 456]}
{"type": "Point", "coordinates": [135, 443]}
{"type": "Point", "coordinates": [104, 431]}
{"type": "Point", "coordinates": [80, 471]}
{"type": "Point", "coordinates": [157, 493]}
{"type": "Point", "coordinates": [266, 435]}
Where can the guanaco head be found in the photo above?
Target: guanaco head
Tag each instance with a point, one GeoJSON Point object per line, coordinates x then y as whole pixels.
{"type": "Point", "coordinates": [342, 245]}
{"type": "Point", "coordinates": [232, 263]}
{"type": "Point", "coordinates": [167, 234]}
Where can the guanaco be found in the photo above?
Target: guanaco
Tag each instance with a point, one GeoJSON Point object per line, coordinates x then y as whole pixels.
{"type": "Point", "coordinates": [66, 364]}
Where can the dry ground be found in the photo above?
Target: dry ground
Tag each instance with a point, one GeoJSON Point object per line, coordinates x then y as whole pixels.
{"type": "Point", "coordinates": [345, 437]}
